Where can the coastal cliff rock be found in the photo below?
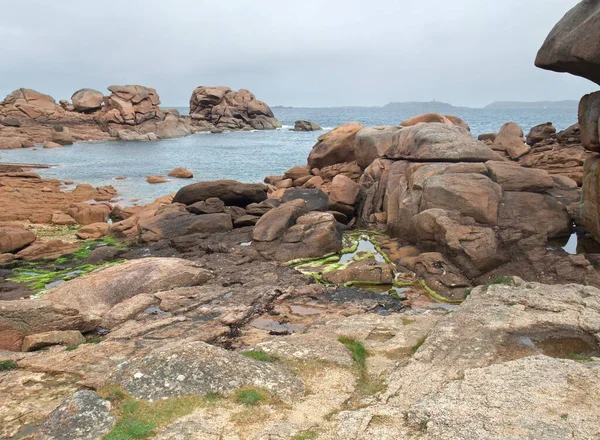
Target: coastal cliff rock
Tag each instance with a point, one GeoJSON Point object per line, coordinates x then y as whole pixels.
{"type": "Point", "coordinates": [226, 109]}
{"type": "Point", "coordinates": [336, 146]}
{"type": "Point", "coordinates": [572, 45]}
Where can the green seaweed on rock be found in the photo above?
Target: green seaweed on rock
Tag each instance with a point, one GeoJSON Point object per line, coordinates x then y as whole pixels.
{"type": "Point", "coordinates": [39, 279]}
{"type": "Point", "coordinates": [432, 293]}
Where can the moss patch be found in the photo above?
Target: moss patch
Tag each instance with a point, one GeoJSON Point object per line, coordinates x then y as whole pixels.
{"type": "Point", "coordinates": [251, 396]}
{"type": "Point", "coordinates": [8, 365]}
{"type": "Point", "coordinates": [140, 419]}
{"type": "Point", "coordinates": [420, 342]}
{"type": "Point", "coordinates": [259, 355]}
{"type": "Point", "coordinates": [306, 435]}
{"type": "Point", "coordinates": [498, 280]}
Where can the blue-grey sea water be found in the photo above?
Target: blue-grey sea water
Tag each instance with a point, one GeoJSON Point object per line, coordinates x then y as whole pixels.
{"type": "Point", "coordinates": [244, 156]}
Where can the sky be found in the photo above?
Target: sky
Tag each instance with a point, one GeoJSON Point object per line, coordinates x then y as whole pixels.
{"type": "Point", "coordinates": [310, 53]}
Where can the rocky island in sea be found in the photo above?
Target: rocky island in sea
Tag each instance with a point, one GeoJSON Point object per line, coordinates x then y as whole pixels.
{"type": "Point", "coordinates": [407, 281]}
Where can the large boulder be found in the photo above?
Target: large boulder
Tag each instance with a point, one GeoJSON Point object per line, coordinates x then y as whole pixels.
{"type": "Point", "coordinates": [86, 100]}
{"type": "Point", "coordinates": [589, 114]}
{"type": "Point", "coordinates": [510, 140]}
{"type": "Point", "coordinates": [87, 214]}
{"type": "Point", "coordinates": [97, 292]}
{"type": "Point", "coordinates": [275, 223]}
{"type": "Point", "coordinates": [315, 199]}
{"type": "Point", "coordinates": [170, 225]}
{"type": "Point", "coordinates": [438, 142]}
{"type": "Point", "coordinates": [306, 126]}
{"type": "Point", "coordinates": [473, 195]}
{"type": "Point", "coordinates": [343, 195]}
{"type": "Point", "coordinates": [315, 234]}
{"type": "Point", "coordinates": [14, 238]}
{"type": "Point", "coordinates": [231, 192]}
{"type": "Point", "coordinates": [61, 135]}
{"type": "Point", "coordinates": [226, 109]}
{"type": "Point", "coordinates": [372, 143]}
{"type": "Point", "coordinates": [573, 45]}
{"type": "Point", "coordinates": [522, 214]}
{"type": "Point", "coordinates": [336, 146]}
{"type": "Point", "coordinates": [540, 133]}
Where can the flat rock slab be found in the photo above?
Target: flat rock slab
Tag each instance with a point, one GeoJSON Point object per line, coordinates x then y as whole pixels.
{"type": "Point", "coordinates": [196, 368]}
{"type": "Point", "coordinates": [97, 292]}
{"type": "Point", "coordinates": [535, 397]}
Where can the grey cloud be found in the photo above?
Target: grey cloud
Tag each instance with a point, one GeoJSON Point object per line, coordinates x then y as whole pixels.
{"type": "Point", "coordinates": [313, 53]}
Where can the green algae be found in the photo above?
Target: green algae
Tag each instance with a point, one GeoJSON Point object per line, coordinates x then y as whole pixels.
{"type": "Point", "coordinates": [39, 279]}
{"type": "Point", "coordinates": [432, 293]}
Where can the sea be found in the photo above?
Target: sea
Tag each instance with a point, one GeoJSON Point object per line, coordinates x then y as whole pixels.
{"type": "Point", "coordinates": [243, 156]}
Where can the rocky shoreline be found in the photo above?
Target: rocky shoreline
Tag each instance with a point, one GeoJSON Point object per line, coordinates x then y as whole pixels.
{"type": "Point", "coordinates": [404, 283]}
{"type": "Point", "coordinates": [130, 113]}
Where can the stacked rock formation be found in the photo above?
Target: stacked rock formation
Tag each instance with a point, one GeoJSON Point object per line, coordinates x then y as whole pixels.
{"type": "Point", "coordinates": [572, 47]}
{"type": "Point", "coordinates": [130, 112]}
{"type": "Point", "coordinates": [220, 108]}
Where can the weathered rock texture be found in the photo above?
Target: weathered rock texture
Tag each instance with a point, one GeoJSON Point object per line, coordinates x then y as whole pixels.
{"type": "Point", "coordinates": [224, 109]}
{"type": "Point", "coordinates": [572, 45]}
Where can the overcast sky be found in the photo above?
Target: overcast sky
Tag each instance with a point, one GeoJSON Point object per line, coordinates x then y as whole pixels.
{"type": "Point", "coordinates": [297, 53]}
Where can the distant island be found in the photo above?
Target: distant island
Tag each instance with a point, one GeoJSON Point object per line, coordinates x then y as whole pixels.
{"type": "Point", "coordinates": [422, 107]}
{"type": "Point", "coordinates": [444, 107]}
{"type": "Point", "coordinates": [503, 105]}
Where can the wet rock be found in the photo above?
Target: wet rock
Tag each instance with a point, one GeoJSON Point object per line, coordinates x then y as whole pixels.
{"type": "Point", "coordinates": [306, 126]}
{"type": "Point", "coordinates": [50, 144]}
{"type": "Point", "coordinates": [99, 291]}
{"type": "Point", "coordinates": [186, 368]}
{"type": "Point", "coordinates": [156, 179]}
{"type": "Point", "coordinates": [436, 141]}
{"type": "Point", "coordinates": [336, 146]}
{"type": "Point", "coordinates": [83, 416]}
{"type": "Point", "coordinates": [48, 339]}
{"type": "Point", "coordinates": [14, 238]}
{"type": "Point", "coordinates": [181, 173]}
{"type": "Point", "coordinates": [368, 271]}
{"type": "Point", "coordinates": [61, 135]}
{"type": "Point", "coordinates": [315, 199]}
{"type": "Point", "coordinates": [232, 193]}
